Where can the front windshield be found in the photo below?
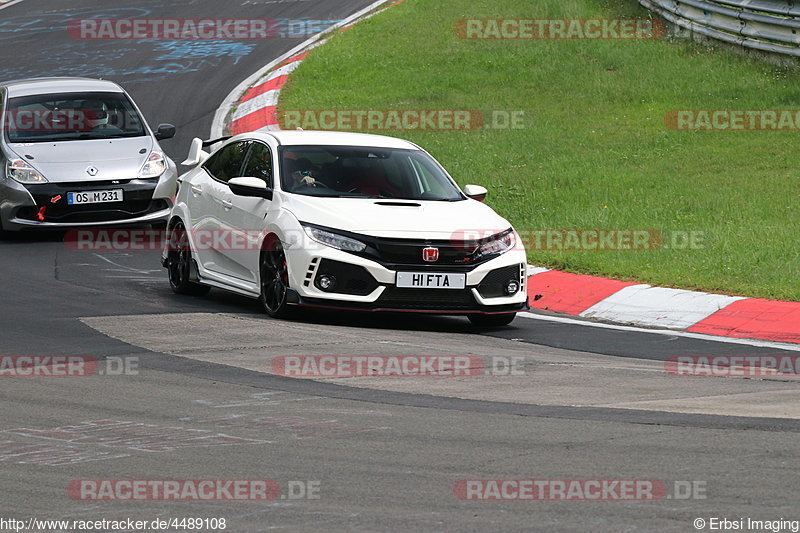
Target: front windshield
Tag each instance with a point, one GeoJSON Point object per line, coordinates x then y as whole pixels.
{"type": "Point", "coordinates": [356, 172]}
{"type": "Point", "coordinates": [71, 117]}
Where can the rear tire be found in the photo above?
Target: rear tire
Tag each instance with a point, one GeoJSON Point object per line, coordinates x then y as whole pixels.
{"type": "Point", "coordinates": [179, 264]}
{"type": "Point", "coordinates": [492, 321]}
{"type": "Point", "coordinates": [274, 276]}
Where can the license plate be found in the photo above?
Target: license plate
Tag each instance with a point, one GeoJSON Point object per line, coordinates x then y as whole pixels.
{"type": "Point", "coordinates": [94, 197]}
{"type": "Point", "coordinates": [431, 280]}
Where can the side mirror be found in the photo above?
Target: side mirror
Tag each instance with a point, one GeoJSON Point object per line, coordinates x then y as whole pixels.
{"type": "Point", "coordinates": [196, 153]}
{"type": "Point", "coordinates": [165, 131]}
{"type": "Point", "coordinates": [476, 192]}
{"type": "Point", "coordinates": [253, 187]}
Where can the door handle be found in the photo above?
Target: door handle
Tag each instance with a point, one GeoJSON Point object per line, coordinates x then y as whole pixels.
{"type": "Point", "coordinates": [227, 204]}
{"type": "Point", "coordinates": [197, 189]}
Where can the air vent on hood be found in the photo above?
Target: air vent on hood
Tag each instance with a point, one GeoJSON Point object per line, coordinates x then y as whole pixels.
{"type": "Point", "coordinates": [398, 204]}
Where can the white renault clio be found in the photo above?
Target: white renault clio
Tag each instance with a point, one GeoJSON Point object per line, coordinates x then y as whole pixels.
{"type": "Point", "coordinates": [76, 152]}
{"type": "Point", "coordinates": [341, 220]}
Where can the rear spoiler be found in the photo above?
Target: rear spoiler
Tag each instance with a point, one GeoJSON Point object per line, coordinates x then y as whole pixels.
{"type": "Point", "coordinates": [196, 153]}
{"type": "Point", "coordinates": [206, 144]}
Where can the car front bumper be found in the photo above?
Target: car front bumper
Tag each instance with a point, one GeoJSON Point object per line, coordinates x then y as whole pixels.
{"type": "Point", "coordinates": [364, 284]}
{"type": "Point", "coordinates": [44, 206]}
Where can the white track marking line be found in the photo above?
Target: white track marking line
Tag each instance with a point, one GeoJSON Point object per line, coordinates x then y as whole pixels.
{"type": "Point", "coordinates": [257, 103]}
{"type": "Point", "coordinates": [9, 4]}
{"type": "Point", "coordinates": [233, 96]}
{"type": "Point", "coordinates": [672, 333]}
{"type": "Point", "coordinates": [644, 305]}
{"type": "Point", "coordinates": [123, 268]}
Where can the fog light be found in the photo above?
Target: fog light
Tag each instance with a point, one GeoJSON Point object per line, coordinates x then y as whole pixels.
{"type": "Point", "coordinates": [326, 282]}
{"type": "Point", "coordinates": [512, 287]}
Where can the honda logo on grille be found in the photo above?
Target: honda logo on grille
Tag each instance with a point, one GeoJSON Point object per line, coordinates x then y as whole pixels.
{"type": "Point", "coordinates": [430, 255]}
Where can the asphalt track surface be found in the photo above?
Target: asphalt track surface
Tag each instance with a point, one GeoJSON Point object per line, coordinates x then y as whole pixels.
{"type": "Point", "coordinates": [203, 405]}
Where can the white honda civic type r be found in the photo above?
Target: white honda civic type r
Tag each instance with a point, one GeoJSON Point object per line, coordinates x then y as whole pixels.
{"type": "Point", "coordinates": [344, 221]}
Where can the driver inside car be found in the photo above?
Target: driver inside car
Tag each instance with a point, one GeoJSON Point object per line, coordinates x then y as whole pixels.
{"type": "Point", "coordinates": [302, 173]}
{"type": "Point", "coordinates": [96, 115]}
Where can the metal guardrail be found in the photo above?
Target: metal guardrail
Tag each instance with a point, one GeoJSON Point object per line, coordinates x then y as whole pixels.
{"type": "Point", "coordinates": [766, 25]}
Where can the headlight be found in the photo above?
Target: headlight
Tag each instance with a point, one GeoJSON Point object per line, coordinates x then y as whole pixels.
{"type": "Point", "coordinates": [498, 244]}
{"type": "Point", "coordinates": [19, 170]}
{"type": "Point", "coordinates": [154, 166]}
{"type": "Point", "coordinates": [333, 240]}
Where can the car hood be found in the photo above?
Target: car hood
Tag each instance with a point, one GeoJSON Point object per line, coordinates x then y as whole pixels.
{"type": "Point", "coordinates": [411, 219]}
{"type": "Point", "coordinates": [114, 159]}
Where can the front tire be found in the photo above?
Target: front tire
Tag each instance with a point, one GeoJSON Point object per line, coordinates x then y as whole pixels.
{"type": "Point", "coordinates": [492, 321]}
{"type": "Point", "coordinates": [179, 264]}
{"type": "Point", "coordinates": [274, 274]}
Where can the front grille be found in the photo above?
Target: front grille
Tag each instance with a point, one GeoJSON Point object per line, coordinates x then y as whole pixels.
{"type": "Point", "coordinates": [433, 299]}
{"type": "Point", "coordinates": [409, 252]}
{"type": "Point", "coordinates": [81, 185]}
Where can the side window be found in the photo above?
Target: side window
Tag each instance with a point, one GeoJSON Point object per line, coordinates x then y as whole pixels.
{"type": "Point", "coordinates": [259, 163]}
{"type": "Point", "coordinates": [227, 163]}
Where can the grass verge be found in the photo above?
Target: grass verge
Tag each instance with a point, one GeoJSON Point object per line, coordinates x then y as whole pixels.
{"type": "Point", "coordinates": [595, 151]}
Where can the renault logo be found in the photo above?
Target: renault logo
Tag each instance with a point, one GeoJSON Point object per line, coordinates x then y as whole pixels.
{"type": "Point", "coordinates": [92, 171]}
